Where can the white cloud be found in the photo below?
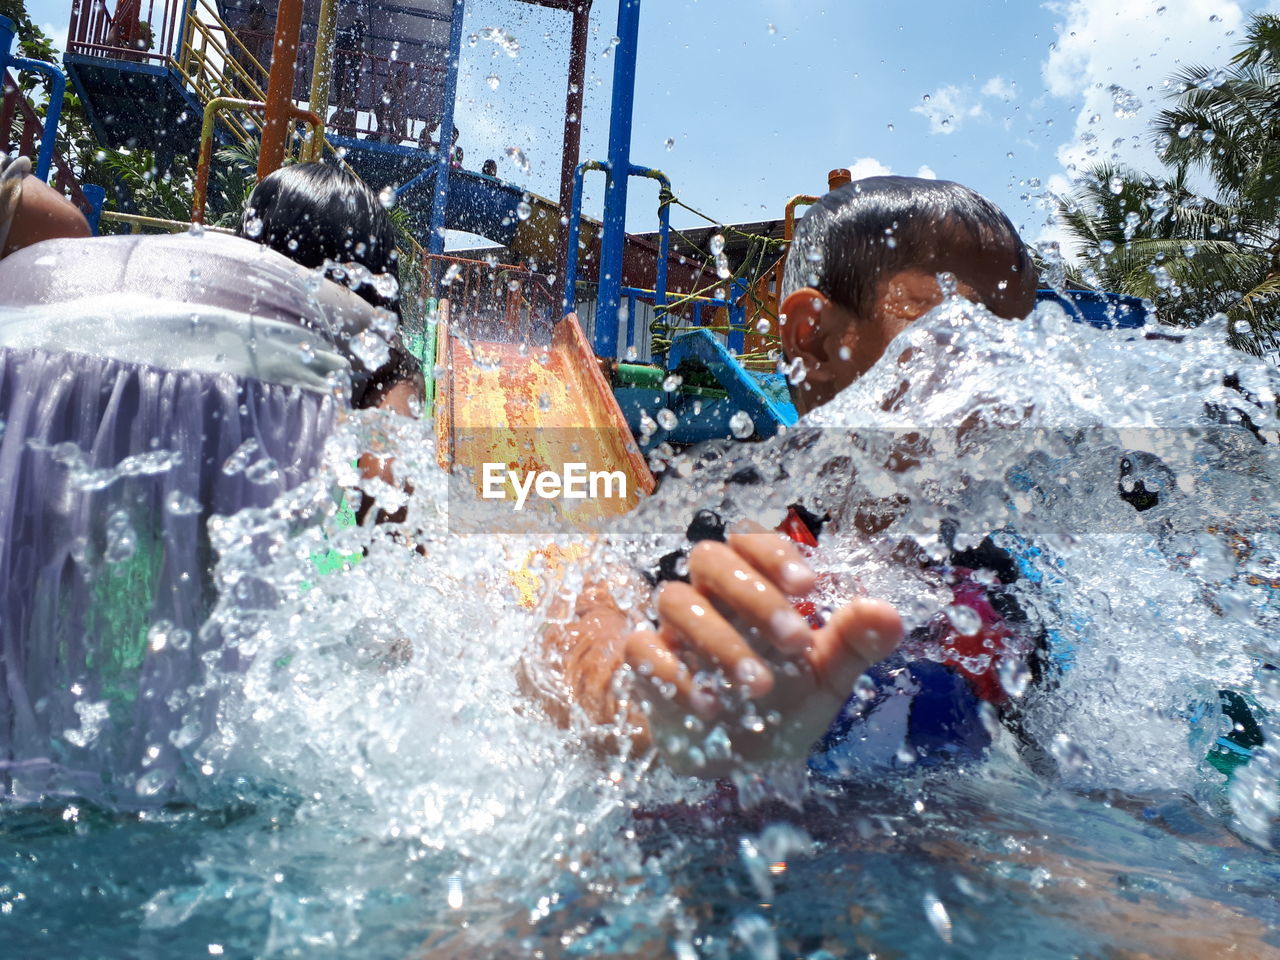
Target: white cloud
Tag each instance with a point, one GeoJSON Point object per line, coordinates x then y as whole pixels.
{"type": "Point", "coordinates": [926, 172]}
{"type": "Point", "coordinates": [1000, 89]}
{"type": "Point", "coordinates": [1113, 59]}
{"type": "Point", "coordinates": [948, 107]}
{"type": "Point", "coordinates": [868, 167]}
{"type": "Point", "coordinates": [57, 33]}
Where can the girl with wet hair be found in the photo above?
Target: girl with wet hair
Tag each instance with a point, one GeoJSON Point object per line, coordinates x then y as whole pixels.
{"type": "Point", "coordinates": [318, 214]}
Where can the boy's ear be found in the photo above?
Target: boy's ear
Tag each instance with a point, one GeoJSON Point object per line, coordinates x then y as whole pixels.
{"type": "Point", "coordinates": [802, 332]}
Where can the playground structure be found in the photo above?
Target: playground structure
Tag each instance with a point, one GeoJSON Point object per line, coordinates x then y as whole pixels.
{"type": "Point", "coordinates": [182, 76]}
{"type": "Point", "coordinates": [162, 73]}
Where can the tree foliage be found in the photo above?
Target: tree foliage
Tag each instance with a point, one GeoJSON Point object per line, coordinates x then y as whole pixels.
{"type": "Point", "coordinates": [1198, 253]}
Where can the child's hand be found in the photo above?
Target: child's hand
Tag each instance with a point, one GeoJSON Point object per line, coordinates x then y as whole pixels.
{"type": "Point", "coordinates": [781, 681]}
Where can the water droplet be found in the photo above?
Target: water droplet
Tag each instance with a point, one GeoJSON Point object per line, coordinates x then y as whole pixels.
{"type": "Point", "coordinates": [516, 156]}
{"type": "Point", "coordinates": [965, 619]}
{"type": "Point", "coordinates": [672, 383]}
{"type": "Point", "coordinates": [387, 197]}
{"type": "Point", "coordinates": [741, 424]}
{"type": "Point", "coordinates": [1186, 130]}
{"type": "Point", "coordinates": [667, 420]}
{"type": "Point", "coordinates": [1124, 103]}
{"type": "Point", "coordinates": [493, 80]}
{"type": "Point", "coordinates": [1015, 675]}
{"type": "Point", "coordinates": [253, 227]}
{"type": "Point", "coordinates": [524, 210]}
{"type": "Point", "coordinates": [671, 143]}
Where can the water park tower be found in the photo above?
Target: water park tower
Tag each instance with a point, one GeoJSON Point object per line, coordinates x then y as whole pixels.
{"type": "Point", "coordinates": [387, 75]}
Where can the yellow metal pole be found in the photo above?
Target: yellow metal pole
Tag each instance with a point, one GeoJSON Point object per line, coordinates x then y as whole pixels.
{"type": "Point", "coordinates": [211, 112]}
{"type": "Point", "coordinates": [322, 67]}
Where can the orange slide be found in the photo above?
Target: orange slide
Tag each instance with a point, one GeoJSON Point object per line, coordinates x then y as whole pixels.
{"type": "Point", "coordinates": [536, 426]}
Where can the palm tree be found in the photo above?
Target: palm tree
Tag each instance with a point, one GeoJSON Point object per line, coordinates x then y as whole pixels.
{"type": "Point", "coordinates": [1196, 256]}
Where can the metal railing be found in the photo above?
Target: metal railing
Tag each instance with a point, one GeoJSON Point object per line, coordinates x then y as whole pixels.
{"type": "Point", "coordinates": [498, 301]}
{"type": "Point", "coordinates": [125, 34]}
{"type": "Point", "coordinates": [21, 129]}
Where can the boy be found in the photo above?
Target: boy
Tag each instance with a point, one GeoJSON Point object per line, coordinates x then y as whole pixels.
{"type": "Point", "coordinates": [863, 266]}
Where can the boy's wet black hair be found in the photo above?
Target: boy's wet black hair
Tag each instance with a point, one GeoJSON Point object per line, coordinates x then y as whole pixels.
{"type": "Point", "coordinates": [314, 213]}
{"type": "Point", "coordinates": [870, 229]}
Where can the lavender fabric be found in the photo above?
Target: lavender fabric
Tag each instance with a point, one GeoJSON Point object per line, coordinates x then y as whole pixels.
{"type": "Point", "coordinates": [89, 562]}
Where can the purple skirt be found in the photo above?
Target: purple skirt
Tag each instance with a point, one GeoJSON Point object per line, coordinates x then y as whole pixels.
{"type": "Point", "coordinates": [109, 472]}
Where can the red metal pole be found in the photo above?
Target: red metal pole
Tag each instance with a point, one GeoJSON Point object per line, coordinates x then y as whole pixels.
{"type": "Point", "coordinates": [572, 134]}
{"type": "Point", "coordinates": [284, 58]}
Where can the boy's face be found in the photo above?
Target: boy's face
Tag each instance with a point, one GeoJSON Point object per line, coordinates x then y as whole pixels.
{"type": "Point", "coordinates": [837, 346]}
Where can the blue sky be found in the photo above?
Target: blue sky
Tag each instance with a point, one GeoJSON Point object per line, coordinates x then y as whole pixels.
{"type": "Point", "coordinates": [760, 98]}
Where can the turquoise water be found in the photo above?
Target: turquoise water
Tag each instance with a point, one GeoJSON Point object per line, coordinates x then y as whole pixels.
{"type": "Point", "coordinates": [374, 783]}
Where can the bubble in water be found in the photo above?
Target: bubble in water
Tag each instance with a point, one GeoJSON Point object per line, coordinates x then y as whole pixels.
{"type": "Point", "coordinates": [672, 383]}
{"type": "Point", "coordinates": [93, 715]}
{"type": "Point", "coordinates": [757, 935]}
{"type": "Point", "coordinates": [239, 458]}
{"type": "Point", "coordinates": [453, 895]}
{"type": "Point", "coordinates": [1015, 675]}
{"type": "Point", "coordinates": [667, 420]}
{"type": "Point", "coordinates": [935, 912]}
{"type": "Point", "coordinates": [253, 227]}
{"type": "Point", "coordinates": [263, 471]}
{"type": "Point", "coordinates": [763, 325]}
{"type": "Point", "coordinates": [865, 689]}
{"type": "Point", "coordinates": [122, 539]}
{"type": "Point", "coordinates": [741, 425]}
{"type": "Point", "coordinates": [524, 210]}
{"type": "Point", "coordinates": [387, 197]}
{"type": "Point", "coordinates": [716, 245]}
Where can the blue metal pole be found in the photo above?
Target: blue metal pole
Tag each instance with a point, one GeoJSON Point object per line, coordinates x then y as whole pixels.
{"type": "Point", "coordinates": [53, 111]}
{"type": "Point", "coordinates": [575, 228]}
{"type": "Point", "coordinates": [614, 235]}
{"type": "Point", "coordinates": [7, 31]}
{"type": "Point", "coordinates": [738, 316]}
{"type": "Point", "coordinates": [97, 197]}
{"type": "Point", "coordinates": [435, 242]}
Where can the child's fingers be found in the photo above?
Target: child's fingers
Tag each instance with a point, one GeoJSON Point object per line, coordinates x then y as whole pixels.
{"type": "Point", "coordinates": [775, 556]}
{"type": "Point", "coordinates": [651, 658]}
{"type": "Point", "coordinates": [719, 572]}
{"type": "Point", "coordinates": [859, 634]}
{"type": "Point", "coordinates": [689, 613]}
